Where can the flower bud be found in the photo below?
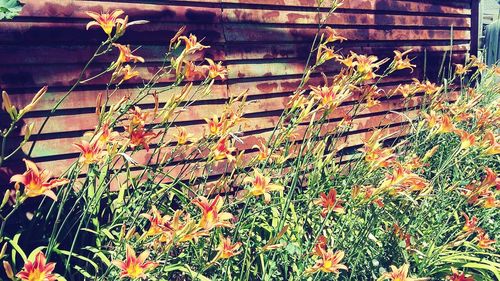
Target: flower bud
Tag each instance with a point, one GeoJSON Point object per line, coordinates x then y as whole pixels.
{"type": "Point", "coordinates": [8, 270]}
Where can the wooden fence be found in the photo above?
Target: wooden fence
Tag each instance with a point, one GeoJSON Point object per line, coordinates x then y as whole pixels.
{"type": "Point", "coordinates": [263, 43]}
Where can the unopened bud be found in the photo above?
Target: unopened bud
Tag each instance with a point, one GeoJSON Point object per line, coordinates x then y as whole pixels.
{"type": "Point", "coordinates": [5, 198]}
{"type": "Point", "coordinates": [8, 270]}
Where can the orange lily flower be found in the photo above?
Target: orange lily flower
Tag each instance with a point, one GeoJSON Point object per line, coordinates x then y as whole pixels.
{"type": "Point", "coordinates": [466, 140]}
{"type": "Point", "coordinates": [126, 72]}
{"type": "Point", "coordinates": [215, 125]}
{"type": "Point", "coordinates": [125, 55]}
{"type": "Point", "coordinates": [460, 69]}
{"type": "Point", "coordinates": [446, 125]}
{"type": "Point", "coordinates": [470, 225]}
{"type": "Point", "coordinates": [37, 182]}
{"type": "Point", "coordinates": [182, 136]}
{"type": "Point", "coordinates": [328, 96]}
{"type": "Point", "coordinates": [91, 152]}
{"type": "Point", "coordinates": [263, 151]}
{"type": "Point", "coordinates": [261, 185]}
{"type": "Point", "coordinates": [216, 70]}
{"type": "Point", "coordinates": [135, 266]}
{"type": "Point", "coordinates": [399, 274]}
{"type": "Point", "coordinates": [406, 90]}
{"type": "Point", "coordinates": [106, 21]}
{"type": "Point", "coordinates": [223, 149]}
{"type": "Point", "coordinates": [402, 63]}
{"type": "Point", "coordinates": [140, 137]}
{"type": "Point", "coordinates": [458, 276]}
{"type": "Point", "coordinates": [192, 44]}
{"type": "Point", "coordinates": [329, 262]}
{"type": "Point", "coordinates": [332, 35]}
{"type": "Point", "coordinates": [156, 220]}
{"type": "Point", "coordinates": [427, 87]}
{"type": "Point", "coordinates": [484, 241]}
{"type": "Point", "coordinates": [39, 270]}
{"type": "Point", "coordinates": [211, 216]}
{"type": "Point", "coordinates": [376, 155]}
{"type": "Point", "coordinates": [490, 143]}
{"type": "Point", "coordinates": [226, 249]}
{"type": "Point", "coordinates": [330, 203]}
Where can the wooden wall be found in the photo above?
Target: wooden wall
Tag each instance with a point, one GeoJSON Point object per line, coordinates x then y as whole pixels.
{"type": "Point", "coordinates": [263, 43]}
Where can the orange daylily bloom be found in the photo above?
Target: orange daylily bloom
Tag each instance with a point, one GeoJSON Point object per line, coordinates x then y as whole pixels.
{"type": "Point", "coordinates": [215, 125]}
{"type": "Point", "coordinates": [137, 117]}
{"type": "Point", "coordinates": [330, 203]}
{"type": "Point", "coordinates": [329, 262]}
{"type": "Point", "coordinates": [261, 185]}
{"type": "Point", "coordinates": [484, 241]}
{"type": "Point", "coordinates": [458, 276]}
{"type": "Point", "coordinates": [399, 274]}
{"type": "Point", "coordinates": [106, 21]}
{"type": "Point", "coordinates": [325, 54]}
{"type": "Point", "coordinates": [192, 44]}
{"type": "Point", "coordinates": [223, 149]}
{"type": "Point", "coordinates": [125, 55]}
{"type": "Point", "coordinates": [366, 65]}
{"type": "Point", "coordinates": [140, 137]}
{"type": "Point", "coordinates": [183, 136]}
{"type": "Point", "coordinates": [466, 139]}
{"type": "Point", "coordinates": [215, 70]}
{"type": "Point", "coordinates": [329, 97]}
{"type": "Point", "coordinates": [402, 179]}
{"type": "Point", "coordinates": [461, 69]}
{"type": "Point", "coordinates": [91, 152]}
{"type": "Point", "coordinates": [406, 90]}
{"type": "Point", "coordinates": [492, 147]}
{"type": "Point", "coordinates": [36, 182]}
{"type": "Point", "coordinates": [376, 155]}
{"type": "Point", "coordinates": [332, 35]}
{"type": "Point", "coordinates": [226, 249]}
{"type": "Point", "coordinates": [264, 152]}
{"type": "Point", "coordinates": [470, 225]}
{"type": "Point", "coordinates": [427, 87]}
{"type": "Point", "coordinates": [157, 222]}
{"type": "Point", "coordinates": [38, 270]}
{"type": "Point", "coordinates": [402, 63]}
{"type": "Point", "coordinates": [446, 125]}
{"type": "Point", "coordinates": [135, 266]}
{"type": "Point", "coordinates": [126, 73]}
{"type": "Point", "coordinates": [211, 216]}
{"type": "Point", "coordinates": [192, 71]}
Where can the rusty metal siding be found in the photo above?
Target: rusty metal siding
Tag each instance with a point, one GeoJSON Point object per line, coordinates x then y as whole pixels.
{"type": "Point", "coordinates": [263, 43]}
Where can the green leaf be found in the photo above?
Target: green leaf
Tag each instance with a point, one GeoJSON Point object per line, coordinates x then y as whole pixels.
{"type": "Point", "coordinates": [9, 9]}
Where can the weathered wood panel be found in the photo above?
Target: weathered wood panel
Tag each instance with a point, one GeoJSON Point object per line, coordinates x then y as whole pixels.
{"type": "Point", "coordinates": [263, 43]}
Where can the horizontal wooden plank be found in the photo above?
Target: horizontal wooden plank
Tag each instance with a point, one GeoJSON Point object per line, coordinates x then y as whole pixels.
{"type": "Point", "coordinates": [251, 32]}
{"type": "Point", "coordinates": [339, 18]}
{"type": "Point", "coordinates": [151, 33]}
{"type": "Point", "coordinates": [371, 5]}
{"type": "Point", "coordinates": [136, 11]}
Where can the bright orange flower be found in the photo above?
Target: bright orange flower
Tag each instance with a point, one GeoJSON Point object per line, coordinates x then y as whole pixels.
{"type": "Point", "coordinates": [126, 73]}
{"type": "Point", "coordinates": [320, 246]}
{"type": "Point", "coordinates": [192, 44]}
{"type": "Point", "coordinates": [223, 149]}
{"type": "Point", "coordinates": [402, 63]}
{"type": "Point", "coordinates": [192, 71]}
{"type": "Point", "coordinates": [38, 270]}
{"type": "Point", "coordinates": [446, 125]}
{"type": "Point", "coordinates": [157, 222]}
{"type": "Point", "coordinates": [261, 185]}
{"type": "Point", "coordinates": [325, 54]}
{"type": "Point", "coordinates": [215, 125]}
{"type": "Point", "coordinates": [140, 137]}
{"type": "Point", "coordinates": [399, 274]}
{"type": "Point", "coordinates": [226, 249]}
{"type": "Point", "coordinates": [37, 182]}
{"type": "Point", "coordinates": [492, 147]}
{"type": "Point", "coordinates": [183, 136]}
{"type": "Point", "coordinates": [466, 140]}
{"type": "Point", "coordinates": [263, 151]}
{"type": "Point", "coordinates": [330, 203]}
{"type": "Point", "coordinates": [329, 262]}
{"type": "Point", "coordinates": [470, 225]}
{"type": "Point", "coordinates": [366, 65]}
{"type": "Point", "coordinates": [211, 216]}
{"type": "Point", "coordinates": [125, 55]}
{"type": "Point", "coordinates": [406, 90]}
{"type": "Point", "coordinates": [427, 87]}
{"type": "Point", "coordinates": [332, 35]}
{"type": "Point", "coordinates": [91, 152]}
{"type": "Point", "coordinates": [431, 119]}
{"type": "Point", "coordinates": [375, 155]}
{"type": "Point", "coordinates": [484, 241]}
{"type": "Point", "coordinates": [329, 97]}
{"type": "Point", "coordinates": [461, 69]}
{"type": "Point", "coordinates": [458, 276]}
{"type": "Point", "coordinates": [106, 21]}
{"type": "Point", "coordinates": [216, 70]}
{"type": "Point", "coordinates": [402, 179]}
{"type": "Point", "coordinates": [135, 266]}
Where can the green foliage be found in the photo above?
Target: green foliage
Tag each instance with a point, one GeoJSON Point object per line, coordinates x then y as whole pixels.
{"type": "Point", "coordinates": [9, 9]}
